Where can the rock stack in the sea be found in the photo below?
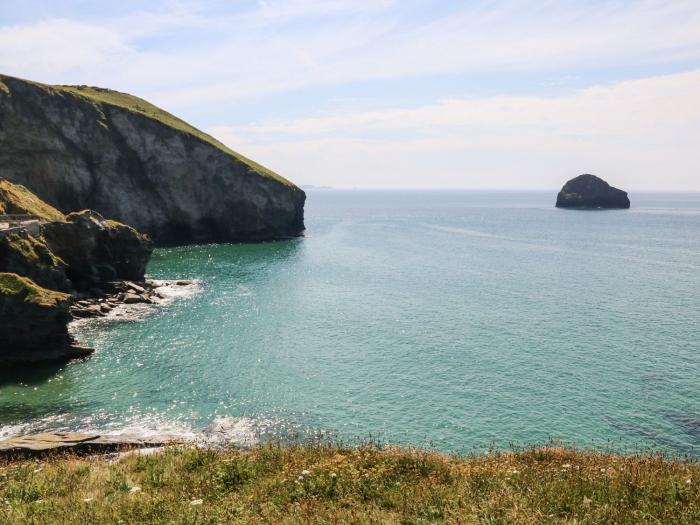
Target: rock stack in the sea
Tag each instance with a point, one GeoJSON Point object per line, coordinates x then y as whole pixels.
{"type": "Point", "coordinates": [589, 191]}
{"type": "Point", "coordinates": [80, 147]}
{"type": "Point", "coordinates": [49, 261]}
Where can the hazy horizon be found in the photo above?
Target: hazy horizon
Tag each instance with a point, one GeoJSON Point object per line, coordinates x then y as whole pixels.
{"type": "Point", "coordinates": [407, 95]}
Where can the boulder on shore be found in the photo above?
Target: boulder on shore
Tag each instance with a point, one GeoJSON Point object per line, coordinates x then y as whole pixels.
{"type": "Point", "coordinates": [33, 323]}
{"type": "Point", "coordinates": [589, 191]}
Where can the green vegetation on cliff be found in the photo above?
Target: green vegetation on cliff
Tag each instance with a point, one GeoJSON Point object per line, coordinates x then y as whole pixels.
{"type": "Point", "coordinates": [15, 199]}
{"type": "Point", "coordinates": [33, 249]}
{"type": "Point", "coordinates": [327, 484]}
{"type": "Point", "coordinates": [142, 107]}
{"type": "Point", "coordinates": [13, 285]}
{"type": "Point", "coordinates": [135, 104]}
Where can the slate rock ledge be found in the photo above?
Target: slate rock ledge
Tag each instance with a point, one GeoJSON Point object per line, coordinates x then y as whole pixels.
{"type": "Point", "coordinates": [589, 191]}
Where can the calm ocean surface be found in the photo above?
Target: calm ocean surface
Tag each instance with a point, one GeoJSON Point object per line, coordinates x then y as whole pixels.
{"type": "Point", "coordinates": [446, 319]}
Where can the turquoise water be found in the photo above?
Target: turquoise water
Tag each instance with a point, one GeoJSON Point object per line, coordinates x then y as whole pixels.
{"type": "Point", "coordinates": [446, 319]}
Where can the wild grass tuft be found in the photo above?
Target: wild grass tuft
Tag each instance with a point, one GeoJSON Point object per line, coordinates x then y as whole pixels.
{"type": "Point", "coordinates": [336, 484]}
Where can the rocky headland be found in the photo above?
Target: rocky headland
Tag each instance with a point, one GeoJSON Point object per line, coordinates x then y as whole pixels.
{"type": "Point", "coordinates": [137, 173]}
{"type": "Point", "coordinates": [52, 264]}
{"type": "Point", "coordinates": [80, 147]}
{"type": "Point", "coordinates": [34, 323]}
{"type": "Point", "coordinates": [589, 191]}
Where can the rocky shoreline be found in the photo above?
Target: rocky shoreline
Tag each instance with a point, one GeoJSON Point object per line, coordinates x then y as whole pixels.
{"type": "Point", "coordinates": [122, 293]}
{"type": "Point", "coordinates": [46, 443]}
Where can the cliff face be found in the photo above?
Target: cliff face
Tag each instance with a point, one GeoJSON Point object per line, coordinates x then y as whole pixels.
{"type": "Point", "coordinates": [589, 191]}
{"type": "Point", "coordinates": [42, 259]}
{"type": "Point", "coordinates": [80, 147]}
{"type": "Point", "coordinates": [97, 250]}
{"type": "Point", "coordinates": [33, 323]}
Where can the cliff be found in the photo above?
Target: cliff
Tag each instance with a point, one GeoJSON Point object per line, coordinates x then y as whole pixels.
{"type": "Point", "coordinates": [78, 252]}
{"type": "Point", "coordinates": [589, 191]}
{"type": "Point", "coordinates": [81, 147]}
{"type": "Point", "coordinates": [33, 323]}
{"type": "Point", "coordinates": [81, 253]}
{"type": "Point", "coordinates": [97, 250]}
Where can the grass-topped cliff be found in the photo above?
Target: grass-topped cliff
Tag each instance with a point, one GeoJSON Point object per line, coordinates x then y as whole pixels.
{"type": "Point", "coordinates": [33, 322]}
{"type": "Point", "coordinates": [78, 253]}
{"type": "Point", "coordinates": [25, 290]}
{"type": "Point", "coordinates": [328, 484]}
{"type": "Point", "coordinates": [138, 105]}
{"type": "Point", "coordinates": [80, 147]}
{"type": "Point", "coordinates": [15, 199]}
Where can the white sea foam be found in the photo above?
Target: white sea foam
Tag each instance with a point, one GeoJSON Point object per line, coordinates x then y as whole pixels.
{"type": "Point", "coordinates": [169, 292]}
{"type": "Point", "coordinates": [227, 430]}
{"type": "Point", "coordinates": [223, 430]}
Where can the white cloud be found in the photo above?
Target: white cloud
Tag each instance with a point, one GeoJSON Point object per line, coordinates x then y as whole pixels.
{"type": "Point", "coordinates": [287, 45]}
{"type": "Point", "coordinates": [193, 59]}
{"type": "Point", "coordinates": [58, 47]}
{"type": "Point", "coordinates": [643, 133]}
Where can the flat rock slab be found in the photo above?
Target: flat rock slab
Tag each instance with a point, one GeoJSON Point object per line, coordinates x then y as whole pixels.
{"type": "Point", "coordinates": [40, 444]}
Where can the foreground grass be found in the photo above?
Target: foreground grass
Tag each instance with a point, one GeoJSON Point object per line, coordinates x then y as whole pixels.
{"type": "Point", "coordinates": [325, 484]}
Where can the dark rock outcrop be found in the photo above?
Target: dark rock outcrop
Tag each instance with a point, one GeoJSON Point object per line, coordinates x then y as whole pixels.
{"type": "Point", "coordinates": [81, 253]}
{"type": "Point", "coordinates": [75, 252]}
{"type": "Point", "coordinates": [97, 250]}
{"type": "Point", "coordinates": [33, 323]}
{"type": "Point", "coordinates": [28, 255]}
{"type": "Point", "coordinates": [589, 191]}
{"type": "Point", "coordinates": [78, 147]}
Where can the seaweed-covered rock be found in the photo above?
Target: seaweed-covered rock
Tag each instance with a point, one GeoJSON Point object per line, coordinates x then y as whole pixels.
{"type": "Point", "coordinates": [33, 323]}
{"type": "Point", "coordinates": [589, 191]}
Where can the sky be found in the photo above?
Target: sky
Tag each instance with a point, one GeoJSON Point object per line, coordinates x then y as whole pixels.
{"type": "Point", "coordinates": [483, 94]}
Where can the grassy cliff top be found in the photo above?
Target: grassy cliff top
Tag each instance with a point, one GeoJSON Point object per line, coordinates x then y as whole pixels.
{"type": "Point", "coordinates": [328, 484]}
{"type": "Point", "coordinates": [138, 105]}
{"type": "Point", "coordinates": [16, 199]}
{"type": "Point", "coordinates": [134, 104]}
{"type": "Point", "coordinates": [13, 285]}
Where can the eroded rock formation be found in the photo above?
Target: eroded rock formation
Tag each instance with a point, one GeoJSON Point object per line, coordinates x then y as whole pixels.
{"type": "Point", "coordinates": [40, 260]}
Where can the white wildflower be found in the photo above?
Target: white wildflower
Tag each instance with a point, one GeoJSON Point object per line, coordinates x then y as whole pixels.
{"type": "Point", "coordinates": [305, 472]}
{"type": "Point", "coordinates": [687, 481]}
{"type": "Point", "coordinates": [134, 490]}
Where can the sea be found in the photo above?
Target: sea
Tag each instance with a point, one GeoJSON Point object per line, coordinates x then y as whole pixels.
{"type": "Point", "coordinates": [462, 321]}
